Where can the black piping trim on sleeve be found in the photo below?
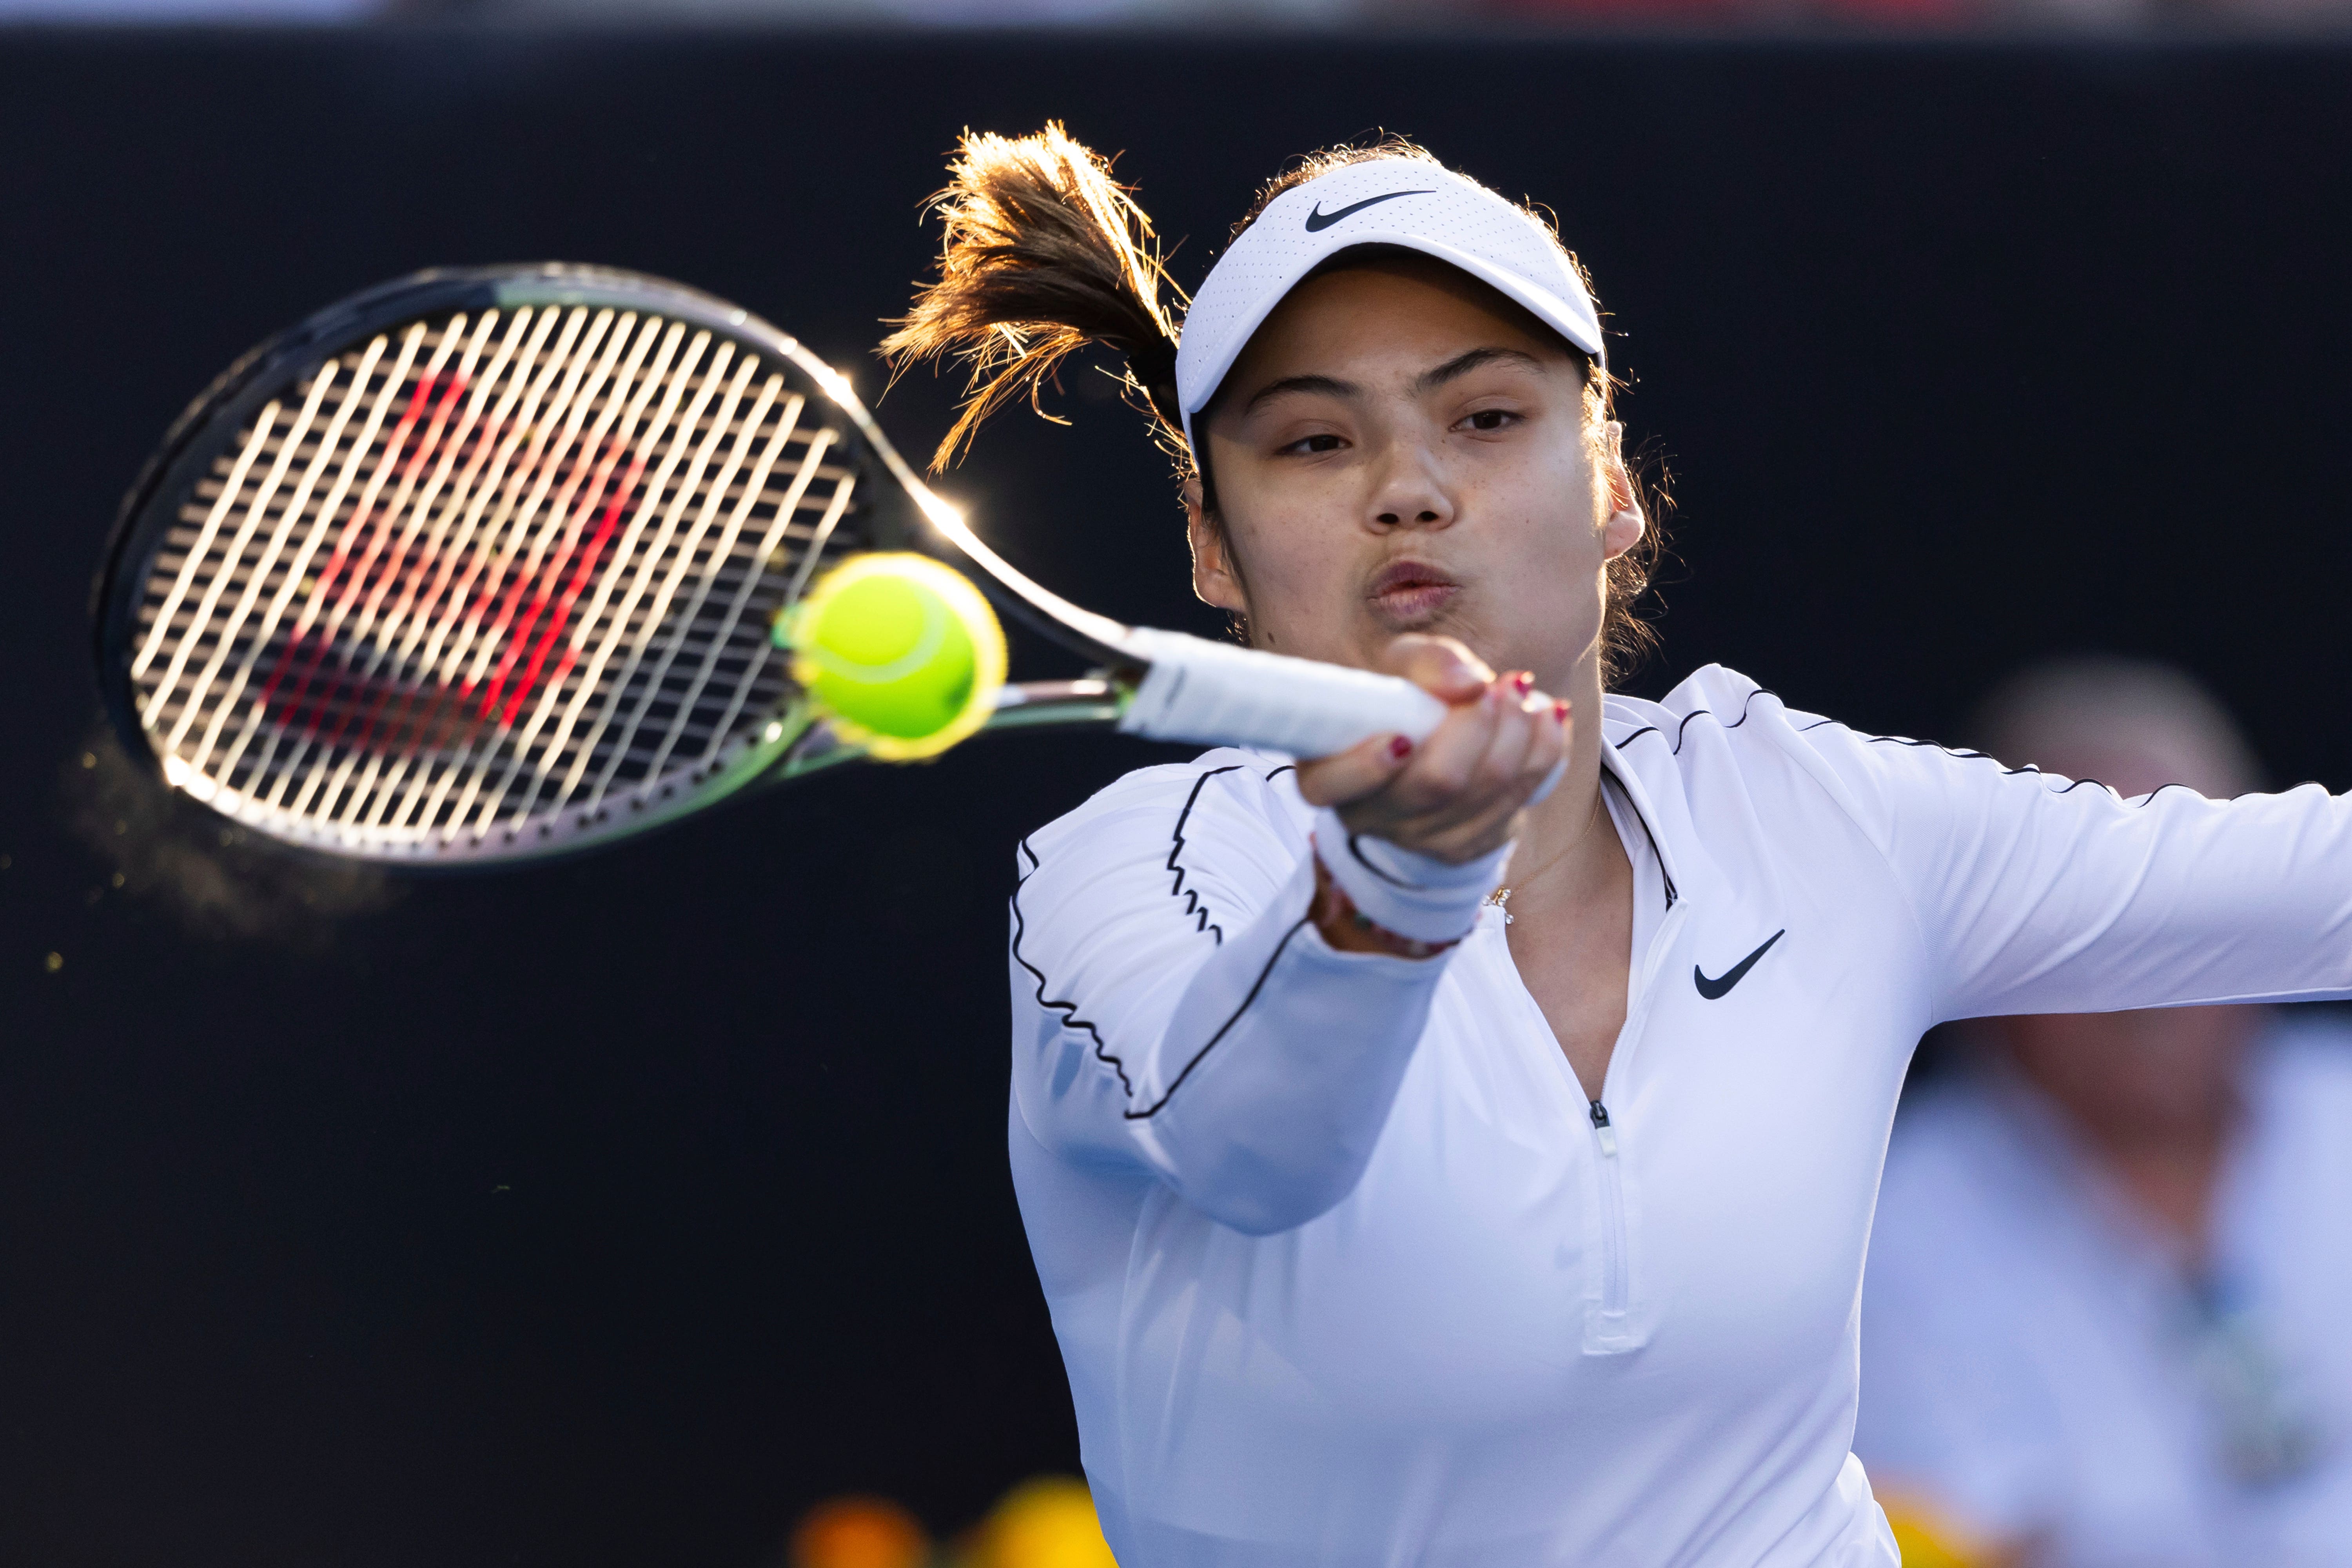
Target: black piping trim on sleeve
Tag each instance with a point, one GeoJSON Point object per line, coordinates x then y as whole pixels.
{"type": "Point", "coordinates": [1193, 904]}
{"type": "Point", "coordinates": [1967, 755]}
{"type": "Point", "coordinates": [1223, 1029]}
{"type": "Point", "coordinates": [1753, 693]}
{"type": "Point", "coordinates": [1191, 896]}
{"type": "Point", "coordinates": [1102, 1051]}
{"type": "Point", "coordinates": [1962, 752]}
{"type": "Point", "coordinates": [1068, 1010]}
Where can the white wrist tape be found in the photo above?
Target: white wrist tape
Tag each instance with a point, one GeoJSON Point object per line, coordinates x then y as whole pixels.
{"type": "Point", "coordinates": [1402, 891]}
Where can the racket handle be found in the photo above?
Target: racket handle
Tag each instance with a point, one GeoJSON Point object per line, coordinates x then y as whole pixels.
{"type": "Point", "coordinates": [1219, 695]}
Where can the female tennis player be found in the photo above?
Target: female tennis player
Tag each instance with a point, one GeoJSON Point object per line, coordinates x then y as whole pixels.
{"type": "Point", "coordinates": [1464, 1152]}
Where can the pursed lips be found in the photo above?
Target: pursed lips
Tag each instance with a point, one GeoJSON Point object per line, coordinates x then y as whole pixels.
{"type": "Point", "coordinates": [1408, 592]}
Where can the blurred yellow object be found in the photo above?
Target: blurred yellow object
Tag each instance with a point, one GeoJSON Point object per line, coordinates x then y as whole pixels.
{"type": "Point", "coordinates": [1930, 1537]}
{"type": "Point", "coordinates": [1049, 1522]}
{"type": "Point", "coordinates": [859, 1533]}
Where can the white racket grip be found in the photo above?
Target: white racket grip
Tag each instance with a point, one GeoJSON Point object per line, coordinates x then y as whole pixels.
{"type": "Point", "coordinates": [1216, 694]}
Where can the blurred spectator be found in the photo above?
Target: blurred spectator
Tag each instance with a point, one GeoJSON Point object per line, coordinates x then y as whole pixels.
{"type": "Point", "coordinates": [2108, 1313]}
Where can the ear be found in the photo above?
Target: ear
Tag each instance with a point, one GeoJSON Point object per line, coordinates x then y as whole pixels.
{"type": "Point", "coordinates": [1625, 525]}
{"type": "Point", "coordinates": [1215, 576]}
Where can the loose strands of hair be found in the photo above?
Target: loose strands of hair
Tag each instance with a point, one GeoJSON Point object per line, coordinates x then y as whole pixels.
{"type": "Point", "coordinates": [1388, 147]}
{"type": "Point", "coordinates": [1042, 255]}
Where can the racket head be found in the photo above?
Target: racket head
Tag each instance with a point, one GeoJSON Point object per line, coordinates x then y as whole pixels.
{"type": "Point", "coordinates": [479, 565]}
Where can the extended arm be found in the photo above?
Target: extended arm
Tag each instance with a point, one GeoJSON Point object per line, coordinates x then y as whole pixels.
{"type": "Point", "coordinates": [2039, 894]}
{"type": "Point", "coordinates": [1176, 1005]}
{"type": "Point", "coordinates": [1183, 997]}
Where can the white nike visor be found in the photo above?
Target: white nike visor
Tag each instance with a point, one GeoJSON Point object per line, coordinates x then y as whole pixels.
{"type": "Point", "coordinates": [1402, 202]}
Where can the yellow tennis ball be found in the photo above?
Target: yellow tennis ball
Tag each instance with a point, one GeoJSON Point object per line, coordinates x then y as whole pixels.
{"type": "Point", "coordinates": [901, 652]}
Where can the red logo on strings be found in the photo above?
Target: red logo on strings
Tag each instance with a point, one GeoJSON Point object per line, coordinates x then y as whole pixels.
{"type": "Point", "coordinates": [483, 608]}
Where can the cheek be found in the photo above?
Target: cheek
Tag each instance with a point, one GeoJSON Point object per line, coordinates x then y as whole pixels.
{"type": "Point", "coordinates": [1289, 547]}
{"type": "Point", "coordinates": [1545, 524]}
{"type": "Point", "coordinates": [1297, 568]}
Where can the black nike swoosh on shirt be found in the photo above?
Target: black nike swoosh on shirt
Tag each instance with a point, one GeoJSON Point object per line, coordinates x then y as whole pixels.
{"type": "Point", "coordinates": [1715, 989]}
{"type": "Point", "coordinates": [1318, 220]}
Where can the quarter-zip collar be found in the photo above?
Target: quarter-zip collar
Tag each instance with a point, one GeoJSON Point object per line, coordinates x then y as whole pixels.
{"type": "Point", "coordinates": [1617, 1318]}
{"type": "Point", "coordinates": [1641, 757]}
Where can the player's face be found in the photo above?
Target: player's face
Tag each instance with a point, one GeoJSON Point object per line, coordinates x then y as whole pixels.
{"type": "Point", "coordinates": [1399, 450]}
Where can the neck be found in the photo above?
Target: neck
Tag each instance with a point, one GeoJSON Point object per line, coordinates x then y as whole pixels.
{"type": "Point", "coordinates": [1564, 847]}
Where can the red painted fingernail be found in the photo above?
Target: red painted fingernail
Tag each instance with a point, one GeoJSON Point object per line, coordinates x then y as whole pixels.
{"type": "Point", "coordinates": [1524, 681]}
{"type": "Point", "coordinates": [1401, 746]}
{"type": "Point", "coordinates": [1560, 712]}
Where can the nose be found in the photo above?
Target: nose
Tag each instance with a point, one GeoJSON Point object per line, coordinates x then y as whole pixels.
{"type": "Point", "coordinates": [1409, 488]}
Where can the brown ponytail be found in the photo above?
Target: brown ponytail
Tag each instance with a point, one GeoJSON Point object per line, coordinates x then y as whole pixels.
{"type": "Point", "coordinates": [1043, 254]}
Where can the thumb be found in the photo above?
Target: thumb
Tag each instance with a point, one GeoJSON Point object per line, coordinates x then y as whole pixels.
{"type": "Point", "coordinates": [1439, 666]}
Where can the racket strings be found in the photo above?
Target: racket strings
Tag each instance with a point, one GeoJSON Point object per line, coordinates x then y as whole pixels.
{"type": "Point", "coordinates": [483, 571]}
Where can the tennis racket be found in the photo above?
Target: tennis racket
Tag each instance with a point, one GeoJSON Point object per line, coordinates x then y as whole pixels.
{"type": "Point", "coordinates": [482, 564]}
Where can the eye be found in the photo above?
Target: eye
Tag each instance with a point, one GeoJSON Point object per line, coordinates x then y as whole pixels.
{"type": "Point", "coordinates": [1324, 442]}
{"type": "Point", "coordinates": [1491, 420]}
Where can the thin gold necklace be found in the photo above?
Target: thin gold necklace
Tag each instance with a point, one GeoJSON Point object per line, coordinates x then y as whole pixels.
{"type": "Point", "coordinates": [1501, 897]}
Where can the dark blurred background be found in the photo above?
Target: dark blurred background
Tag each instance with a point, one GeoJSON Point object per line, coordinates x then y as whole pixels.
{"type": "Point", "coordinates": [613, 1213]}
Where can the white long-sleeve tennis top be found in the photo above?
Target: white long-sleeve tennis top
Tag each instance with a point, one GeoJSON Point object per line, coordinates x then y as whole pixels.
{"type": "Point", "coordinates": [1345, 1269]}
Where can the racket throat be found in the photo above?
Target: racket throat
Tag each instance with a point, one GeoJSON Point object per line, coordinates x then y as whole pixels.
{"type": "Point", "coordinates": [1092, 703]}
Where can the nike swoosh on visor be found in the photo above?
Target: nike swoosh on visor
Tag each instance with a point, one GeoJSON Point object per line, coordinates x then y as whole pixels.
{"type": "Point", "coordinates": [1318, 220]}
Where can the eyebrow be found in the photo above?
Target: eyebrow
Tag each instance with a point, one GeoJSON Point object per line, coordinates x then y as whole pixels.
{"type": "Point", "coordinates": [1460, 365]}
{"type": "Point", "coordinates": [1326, 386]}
{"type": "Point", "coordinates": [1476, 359]}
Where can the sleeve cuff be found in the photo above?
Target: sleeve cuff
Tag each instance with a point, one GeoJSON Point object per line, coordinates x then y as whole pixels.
{"type": "Point", "coordinates": [1398, 891]}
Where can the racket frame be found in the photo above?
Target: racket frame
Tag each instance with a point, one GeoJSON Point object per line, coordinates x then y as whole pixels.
{"type": "Point", "coordinates": [793, 742]}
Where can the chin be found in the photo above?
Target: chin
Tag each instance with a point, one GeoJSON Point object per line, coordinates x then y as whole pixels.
{"type": "Point", "coordinates": [1444, 620]}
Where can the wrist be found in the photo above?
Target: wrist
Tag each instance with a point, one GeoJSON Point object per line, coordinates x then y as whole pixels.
{"type": "Point", "coordinates": [1402, 890]}
{"type": "Point", "coordinates": [1347, 929]}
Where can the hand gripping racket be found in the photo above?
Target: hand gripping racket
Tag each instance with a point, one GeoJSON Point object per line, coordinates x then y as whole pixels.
{"type": "Point", "coordinates": [483, 565]}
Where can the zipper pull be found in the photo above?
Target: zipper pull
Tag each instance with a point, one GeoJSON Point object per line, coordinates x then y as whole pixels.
{"type": "Point", "coordinates": [1607, 1135]}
